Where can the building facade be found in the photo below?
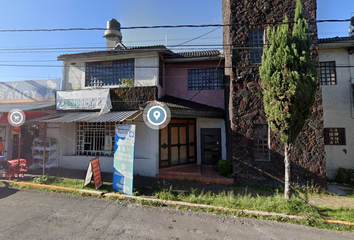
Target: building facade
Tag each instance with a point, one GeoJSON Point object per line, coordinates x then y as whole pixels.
{"type": "Point", "coordinates": [336, 61]}
{"type": "Point", "coordinates": [257, 153]}
{"type": "Point", "coordinates": [190, 84]}
{"type": "Point", "coordinates": [35, 98]}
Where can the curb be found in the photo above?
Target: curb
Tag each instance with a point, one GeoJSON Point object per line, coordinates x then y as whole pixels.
{"type": "Point", "coordinates": [173, 203]}
{"type": "Point", "coordinates": [52, 187]}
{"type": "Point", "coordinates": [195, 205]}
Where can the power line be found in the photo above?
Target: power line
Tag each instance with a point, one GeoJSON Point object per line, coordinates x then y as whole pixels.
{"type": "Point", "coordinates": [154, 67]}
{"type": "Point", "coordinates": [132, 48]}
{"type": "Point", "coordinates": [197, 37]}
{"type": "Point", "coordinates": [167, 26]}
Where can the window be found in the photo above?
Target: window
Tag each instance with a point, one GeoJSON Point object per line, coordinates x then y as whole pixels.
{"type": "Point", "coordinates": [328, 73]}
{"type": "Point", "coordinates": [205, 79]}
{"type": "Point", "coordinates": [256, 46]}
{"type": "Point", "coordinates": [108, 73]}
{"type": "Point", "coordinates": [334, 136]}
{"type": "Point", "coordinates": [95, 139]}
{"type": "Point", "coordinates": [261, 149]}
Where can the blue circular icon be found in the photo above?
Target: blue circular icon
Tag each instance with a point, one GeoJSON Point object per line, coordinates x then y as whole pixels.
{"type": "Point", "coordinates": [157, 115]}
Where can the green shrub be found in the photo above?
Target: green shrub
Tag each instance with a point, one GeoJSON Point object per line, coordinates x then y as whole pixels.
{"type": "Point", "coordinates": [345, 175]}
{"type": "Point", "coordinates": [350, 176]}
{"type": "Point", "coordinates": [224, 167]}
{"type": "Point", "coordinates": [44, 179]}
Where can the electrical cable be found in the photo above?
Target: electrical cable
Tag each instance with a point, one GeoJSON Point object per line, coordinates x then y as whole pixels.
{"type": "Point", "coordinates": [196, 37]}
{"type": "Point", "coordinates": [170, 26]}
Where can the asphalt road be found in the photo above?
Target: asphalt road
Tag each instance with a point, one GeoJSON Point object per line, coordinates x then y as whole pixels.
{"type": "Point", "coordinates": [31, 214]}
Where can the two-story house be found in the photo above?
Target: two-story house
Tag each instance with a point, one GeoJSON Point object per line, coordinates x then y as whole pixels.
{"type": "Point", "coordinates": [336, 63]}
{"type": "Point", "coordinates": [190, 84]}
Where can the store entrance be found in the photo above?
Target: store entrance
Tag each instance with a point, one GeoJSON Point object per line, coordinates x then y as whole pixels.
{"type": "Point", "coordinates": [178, 143]}
{"type": "Point", "coordinates": [28, 134]}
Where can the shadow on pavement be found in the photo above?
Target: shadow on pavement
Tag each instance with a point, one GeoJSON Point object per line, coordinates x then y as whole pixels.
{"type": "Point", "coordinates": [5, 190]}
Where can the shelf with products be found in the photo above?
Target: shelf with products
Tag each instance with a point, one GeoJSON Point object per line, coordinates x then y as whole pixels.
{"type": "Point", "coordinates": [51, 150]}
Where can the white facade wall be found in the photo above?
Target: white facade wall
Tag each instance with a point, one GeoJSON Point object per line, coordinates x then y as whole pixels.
{"type": "Point", "coordinates": [211, 123]}
{"type": "Point", "coordinates": [146, 71]}
{"type": "Point", "coordinates": [339, 109]}
{"type": "Point", "coordinates": [146, 151]}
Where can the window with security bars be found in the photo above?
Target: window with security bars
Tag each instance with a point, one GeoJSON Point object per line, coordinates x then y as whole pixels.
{"type": "Point", "coordinates": [95, 139]}
{"type": "Point", "coordinates": [108, 73]}
{"type": "Point", "coordinates": [256, 45]}
{"type": "Point", "coordinates": [205, 79]}
{"type": "Point", "coordinates": [334, 136]}
{"type": "Point", "coordinates": [260, 138]}
{"type": "Point", "coordinates": [328, 73]}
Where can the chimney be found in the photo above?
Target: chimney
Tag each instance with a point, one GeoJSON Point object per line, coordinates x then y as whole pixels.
{"type": "Point", "coordinates": [113, 34]}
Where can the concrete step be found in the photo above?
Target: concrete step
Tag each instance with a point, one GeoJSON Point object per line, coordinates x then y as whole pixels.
{"type": "Point", "coordinates": [205, 179]}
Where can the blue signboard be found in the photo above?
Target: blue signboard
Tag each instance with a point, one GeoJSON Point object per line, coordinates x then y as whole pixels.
{"type": "Point", "coordinates": [31, 89]}
{"type": "Point", "coordinates": [123, 162]}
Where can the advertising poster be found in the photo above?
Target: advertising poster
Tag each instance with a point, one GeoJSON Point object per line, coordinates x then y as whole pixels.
{"type": "Point", "coordinates": [95, 170]}
{"type": "Point", "coordinates": [123, 163]}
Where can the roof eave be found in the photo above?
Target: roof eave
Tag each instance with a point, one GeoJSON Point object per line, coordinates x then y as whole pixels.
{"type": "Point", "coordinates": [338, 44]}
{"type": "Point", "coordinates": [194, 59]}
{"type": "Point", "coordinates": [66, 57]}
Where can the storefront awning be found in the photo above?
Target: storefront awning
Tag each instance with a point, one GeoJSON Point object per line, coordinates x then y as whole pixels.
{"type": "Point", "coordinates": [26, 106]}
{"type": "Point", "coordinates": [29, 115]}
{"type": "Point", "coordinates": [94, 117]}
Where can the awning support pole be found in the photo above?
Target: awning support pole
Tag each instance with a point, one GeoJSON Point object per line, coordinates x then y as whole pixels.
{"type": "Point", "coordinates": [45, 147]}
{"type": "Point", "coordinates": [19, 154]}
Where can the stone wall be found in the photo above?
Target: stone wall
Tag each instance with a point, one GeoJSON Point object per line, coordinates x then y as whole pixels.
{"type": "Point", "coordinates": [245, 99]}
{"type": "Point", "coordinates": [131, 98]}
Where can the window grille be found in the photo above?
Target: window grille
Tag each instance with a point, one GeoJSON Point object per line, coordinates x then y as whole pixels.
{"type": "Point", "coordinates": [261, 140]}
{"type": "Point", "coordinates": [256, 46]}
{"type": "Point", "coordinates": [95, 139]}
{"type": "Point", "coordinates": [328, 73]}
{"type": "Point", "coordinates": [205, 79]}
{"type": "Point", "coordinates": [334, 136]}
{"type": "Point", "coordinates": [108, 73]}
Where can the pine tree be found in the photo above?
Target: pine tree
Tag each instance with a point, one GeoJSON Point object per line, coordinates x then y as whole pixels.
{"type": "Point", "coordinates": [289, 82]}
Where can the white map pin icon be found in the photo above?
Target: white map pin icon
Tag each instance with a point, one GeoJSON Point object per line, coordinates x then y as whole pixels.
{"type": "Point", "coordinates": [157, 115]}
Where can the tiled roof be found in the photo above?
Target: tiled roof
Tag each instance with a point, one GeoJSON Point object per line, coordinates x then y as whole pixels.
{"type": "Point", "coordinates": [177, 104]}
{"type": "Point", "coordinates": [335, 39]}
{"type": "Point", "coordinates": [118, 50]}
{"type": "Point", "coordinates": [195, 54]}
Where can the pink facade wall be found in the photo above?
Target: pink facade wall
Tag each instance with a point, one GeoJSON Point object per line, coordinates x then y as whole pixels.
{"type": "Point", "coordinates": [176, 83]}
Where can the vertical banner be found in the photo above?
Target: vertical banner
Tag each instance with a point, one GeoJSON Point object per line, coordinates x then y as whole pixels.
{"type": "Point", "coordinates": [123, 163]}
{"type": "Point", "coordinates": [95, 170]}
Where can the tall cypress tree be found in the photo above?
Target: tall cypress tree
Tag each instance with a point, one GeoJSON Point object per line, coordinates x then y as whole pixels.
{"type": "Point", "coordinates": [289, 82]}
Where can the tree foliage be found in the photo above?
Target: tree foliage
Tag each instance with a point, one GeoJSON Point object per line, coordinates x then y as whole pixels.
{"type": "Point", "coordinates": [288, 77]}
